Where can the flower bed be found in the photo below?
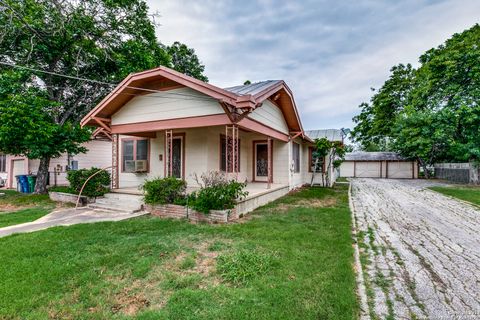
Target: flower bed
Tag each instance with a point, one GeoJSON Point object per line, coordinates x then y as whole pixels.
{"type": "Point", "coordinates": [183, 212]}
{"type": "Point", "coordinates": [69, 198]}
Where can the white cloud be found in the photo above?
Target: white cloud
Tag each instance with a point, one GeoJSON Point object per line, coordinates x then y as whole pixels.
{"type": "Point", "coordinates": [329, 52]}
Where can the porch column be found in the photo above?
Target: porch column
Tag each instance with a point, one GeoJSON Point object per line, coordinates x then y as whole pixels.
{"type": "Point", "coordinates": [269, 162]}
{"type": "Point", "coordinates": [168, 153]}
{"type": "Point", "coordinates": [115, 161]}
{"type": "Point", "coordinates": [231, 150]}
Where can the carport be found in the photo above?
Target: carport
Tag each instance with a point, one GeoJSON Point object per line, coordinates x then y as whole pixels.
{"type": "Point", "coordinates": [378, 165]}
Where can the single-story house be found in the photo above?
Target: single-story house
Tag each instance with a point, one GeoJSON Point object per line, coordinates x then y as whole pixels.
{"type": "Point", "coordinates": [99, 155]}
{"type": "Point", "coordinates": [164, 123]}
{"type": "Point", "coordinates": [378, 165]}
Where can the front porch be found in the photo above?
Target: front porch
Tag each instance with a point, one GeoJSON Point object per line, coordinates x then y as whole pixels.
{"type": "Point", "coordinates": [258, 194]}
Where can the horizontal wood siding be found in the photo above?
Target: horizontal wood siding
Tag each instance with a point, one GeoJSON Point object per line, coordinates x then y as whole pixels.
{"type": "Point", "coordinates": [172, 104]}
{"type": "Point", "coordinates": [270, 115]}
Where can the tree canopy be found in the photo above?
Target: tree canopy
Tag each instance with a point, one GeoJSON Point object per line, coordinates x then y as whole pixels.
{"type": "Point", "coordinates": [99, 40]}
{"type": "Point", "coordinates": [430, 113]}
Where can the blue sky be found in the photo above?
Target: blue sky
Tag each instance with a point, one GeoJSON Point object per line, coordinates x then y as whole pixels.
{"type": "Point", "coordinates": [330, 53]}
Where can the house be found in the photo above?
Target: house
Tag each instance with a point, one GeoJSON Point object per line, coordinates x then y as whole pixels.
{"type": "Point", "coordinates": [165, 123]}
{"type": "Point", "coordinates": [378, 165]}
{"type": "Point", "coordinates": [99, 155]}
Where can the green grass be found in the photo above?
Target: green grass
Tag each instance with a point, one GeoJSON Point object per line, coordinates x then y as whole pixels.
{"type": "Point", "coordinates": [16, 199]}
{"type": "Point", "coordinates": [342, 179]}
{"type": "Point", "coordinates": [22, 216]}
{"type": "Point", "coordinates": [470, 194]}
{"type": "Point", "coordinates": [292, 260]}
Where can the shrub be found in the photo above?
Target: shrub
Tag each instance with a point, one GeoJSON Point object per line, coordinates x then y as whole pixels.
{"type": "Point", "coordinates": [96, 187]}
{"type": "Point", "coordinates": [220, 196]}
{"type": "Point", "coordinates": [163, 191]}
{"type": "Point", "coordinates": [242, 266]}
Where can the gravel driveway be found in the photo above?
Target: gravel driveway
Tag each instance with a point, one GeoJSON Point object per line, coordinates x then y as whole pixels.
{"type": "Point", "coordinates": [420, 250]}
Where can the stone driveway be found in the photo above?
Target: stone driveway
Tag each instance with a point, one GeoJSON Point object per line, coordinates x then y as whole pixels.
{"type": "Point", "coordinates": [420, 250]}
{"type": "Point", "coordinates": [67, 217]}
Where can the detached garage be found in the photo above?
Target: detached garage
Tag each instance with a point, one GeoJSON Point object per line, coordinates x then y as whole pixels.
{"type": "Point", "coordinates": [378, 165]}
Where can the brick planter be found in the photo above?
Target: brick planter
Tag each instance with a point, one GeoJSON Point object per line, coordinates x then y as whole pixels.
{"type": "Point", "coordinates": [69, 198]}
{"type": "Point", "coordinates": [180, 212]}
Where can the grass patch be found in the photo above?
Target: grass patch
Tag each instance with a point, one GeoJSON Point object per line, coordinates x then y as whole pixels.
{"type": "Point", "coordinates": [22, 216]}
{"type": "Point", "coordinates": [469, 194]}
{"type": "Point", "coordinates": [294, 264]}
{"type": "Point", "coordinates": [342, 179]}
{"type": "Point", "coordinates": [13, 199]}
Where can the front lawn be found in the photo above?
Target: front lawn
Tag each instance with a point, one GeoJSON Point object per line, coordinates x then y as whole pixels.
{"type": "Point", "coordinates": [291, 259]}
{"type": "Point", "coordinates": [470, 194]}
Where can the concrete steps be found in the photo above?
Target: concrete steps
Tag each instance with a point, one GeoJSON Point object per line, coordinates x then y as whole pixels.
{"type": "Point", "coordinates": [119, 202]}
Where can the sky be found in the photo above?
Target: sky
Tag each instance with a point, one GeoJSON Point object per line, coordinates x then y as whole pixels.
{"type": "Point", "coordinates": [330, 53]}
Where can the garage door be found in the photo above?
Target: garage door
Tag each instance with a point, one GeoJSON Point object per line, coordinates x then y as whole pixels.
{"type": "Point", "coordinates": [399, 170]}
{"type": "Point", "coordinates": [18, 169]}
{"type": "Point", "coordinates": [370, 169]}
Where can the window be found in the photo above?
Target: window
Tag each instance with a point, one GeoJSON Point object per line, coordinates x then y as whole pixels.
{"type": "Point", "coordinates": [223, 154]}
{"type": "Point", "coordinates": [313, 164]}
{"type": "Point", "coordinates": [3, 163]}
{"type": "Point", "coordinates": [296, 157]}
{"type": "Point", "coordinates": [133, 150]}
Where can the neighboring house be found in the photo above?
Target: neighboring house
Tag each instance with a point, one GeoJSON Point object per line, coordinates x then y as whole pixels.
{"type": "Point", "coordinates": [99, 155]}
{"type": "Point", "coordinates": [378, 165]}
{"type": "Point", "coordinates": [165, 123]}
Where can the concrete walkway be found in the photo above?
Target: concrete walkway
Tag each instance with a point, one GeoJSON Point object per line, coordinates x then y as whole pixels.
{"type": "Point", "coordinates": [68, 217]}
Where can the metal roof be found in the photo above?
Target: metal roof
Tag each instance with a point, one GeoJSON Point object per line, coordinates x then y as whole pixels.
{"type": "Point", "coordinates": [373, 156]}
{"type": "Point", "coordinates": [252, 88]}
{"type": "Point", "coordinates": [330, 134]}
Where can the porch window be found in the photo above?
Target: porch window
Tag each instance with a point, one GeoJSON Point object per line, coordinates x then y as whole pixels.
{"type": "Point", "coordinates": [223, 154]}
{"type": "Point", "coordinates": [313, 164]}
{"type": "Point", "coordinates": [296, 157]}
{"type": "Point", "coordinates": [133, 150]}
{"type": "Point", "coordinates": [3, 163]}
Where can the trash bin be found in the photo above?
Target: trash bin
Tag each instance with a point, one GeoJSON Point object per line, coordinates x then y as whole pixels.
{"type": "Point", "coordinates": [31, 183]}
{"type": "Point", "coordinates": [24, 183]}
{"type": "Point", "coordinates": [19, 185]}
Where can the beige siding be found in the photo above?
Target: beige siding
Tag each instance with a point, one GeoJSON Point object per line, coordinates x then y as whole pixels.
{"type": "Point", "coordinates": [347, 169]}
{"type": "Point", "coordinates": [297, 179]}
{"type": "Point", "coordinates": [173, 104]}
{"type": "Point", "coordinates": [270, 115]}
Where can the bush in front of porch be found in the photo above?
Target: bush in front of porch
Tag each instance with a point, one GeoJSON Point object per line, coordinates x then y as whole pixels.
{"type": "Point", "coordinates": [164, 191]}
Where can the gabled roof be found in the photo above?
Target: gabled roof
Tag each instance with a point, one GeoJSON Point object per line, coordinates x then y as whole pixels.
{"type": "Point", "coordinates": [373, 156]}
{"type": "Point", "coordinates": [246, 97]}
{"type": "Point", "coordinates": [330, 134]}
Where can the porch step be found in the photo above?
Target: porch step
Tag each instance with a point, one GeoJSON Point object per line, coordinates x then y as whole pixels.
{"type": "Point", "coordinates": [118, 202]}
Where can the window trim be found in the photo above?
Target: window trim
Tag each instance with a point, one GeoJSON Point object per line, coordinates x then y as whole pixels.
{"type": "Point", "coordinates": [296, 163]}
{"type": "Point", "coordinates": [134, 139]}
{"type": "Point", "coordinates": [223, 136]}
{"type": "Point", "coordinates": [310, 158]}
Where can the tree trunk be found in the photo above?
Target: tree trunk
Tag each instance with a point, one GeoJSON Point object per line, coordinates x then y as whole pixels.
{"type": "Point", "coordinates": [425, 169]}
{"type": "Point", "coordinates": [42, 176]}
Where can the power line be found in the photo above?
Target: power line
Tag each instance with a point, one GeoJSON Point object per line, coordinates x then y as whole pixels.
{"type": "Point", "coordinates": [101, 82]}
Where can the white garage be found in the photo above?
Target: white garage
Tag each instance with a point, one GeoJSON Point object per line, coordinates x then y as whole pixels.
{"type": "Point", "coordinates": [378, 165]}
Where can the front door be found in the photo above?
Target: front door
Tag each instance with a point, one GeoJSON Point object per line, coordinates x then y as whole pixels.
{"type": "Point", "coordinates": [261, 161]}
{"type": "Point", "coordinates": [177, 157]}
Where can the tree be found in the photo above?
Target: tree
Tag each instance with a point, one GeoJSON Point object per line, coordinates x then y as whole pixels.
{"type": "Point", "coordinates": [334, 151]}
{"type": "Point", "coordinates": [431, 113]}
{"type": "Point", "coordinates": [99, 40]}
{"type": "Point", "coordinates": [185, 60]}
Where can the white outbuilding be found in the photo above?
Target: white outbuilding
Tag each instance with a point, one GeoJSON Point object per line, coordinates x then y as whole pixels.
{"type": "Point", "coordinates": [378, 165]}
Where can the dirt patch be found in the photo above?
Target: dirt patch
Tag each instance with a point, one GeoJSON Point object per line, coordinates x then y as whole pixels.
{"type": "Point", "coordinates": [130, 302]}
{"type": "Point", "coordinates": [313, 203]}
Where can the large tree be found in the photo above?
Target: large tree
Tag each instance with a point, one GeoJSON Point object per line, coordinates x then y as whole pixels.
{"type": "Point", "coordinates": [99, 40]}
{"type": "Point", "coordinates": [431, 113]}
{"type": "Point", "coordinates": [185, 60]}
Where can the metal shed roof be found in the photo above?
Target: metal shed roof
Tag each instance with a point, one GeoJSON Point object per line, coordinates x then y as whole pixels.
{"type": "Point", "coordinates": [373, 156]}
{"type": "Point", "coordinates": [252, 88]}
{"type": "Point", "coordinates": [330, 134]}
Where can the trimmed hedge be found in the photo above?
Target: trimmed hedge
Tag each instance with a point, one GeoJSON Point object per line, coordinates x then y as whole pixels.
{"type": "Point", "coordinates": [96, 187]}
{"type": "Point", "coordinates": [164, 191]}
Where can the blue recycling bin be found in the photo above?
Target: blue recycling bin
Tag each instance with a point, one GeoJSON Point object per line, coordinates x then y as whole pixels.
{"type": "Point", "coordinates": [24, 184]}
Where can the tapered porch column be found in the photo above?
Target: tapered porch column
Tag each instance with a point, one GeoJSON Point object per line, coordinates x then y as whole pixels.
{"type": "Point", "coordinates": [115, 161]}
{"type": "Point", "coordinates": [231, 150]}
